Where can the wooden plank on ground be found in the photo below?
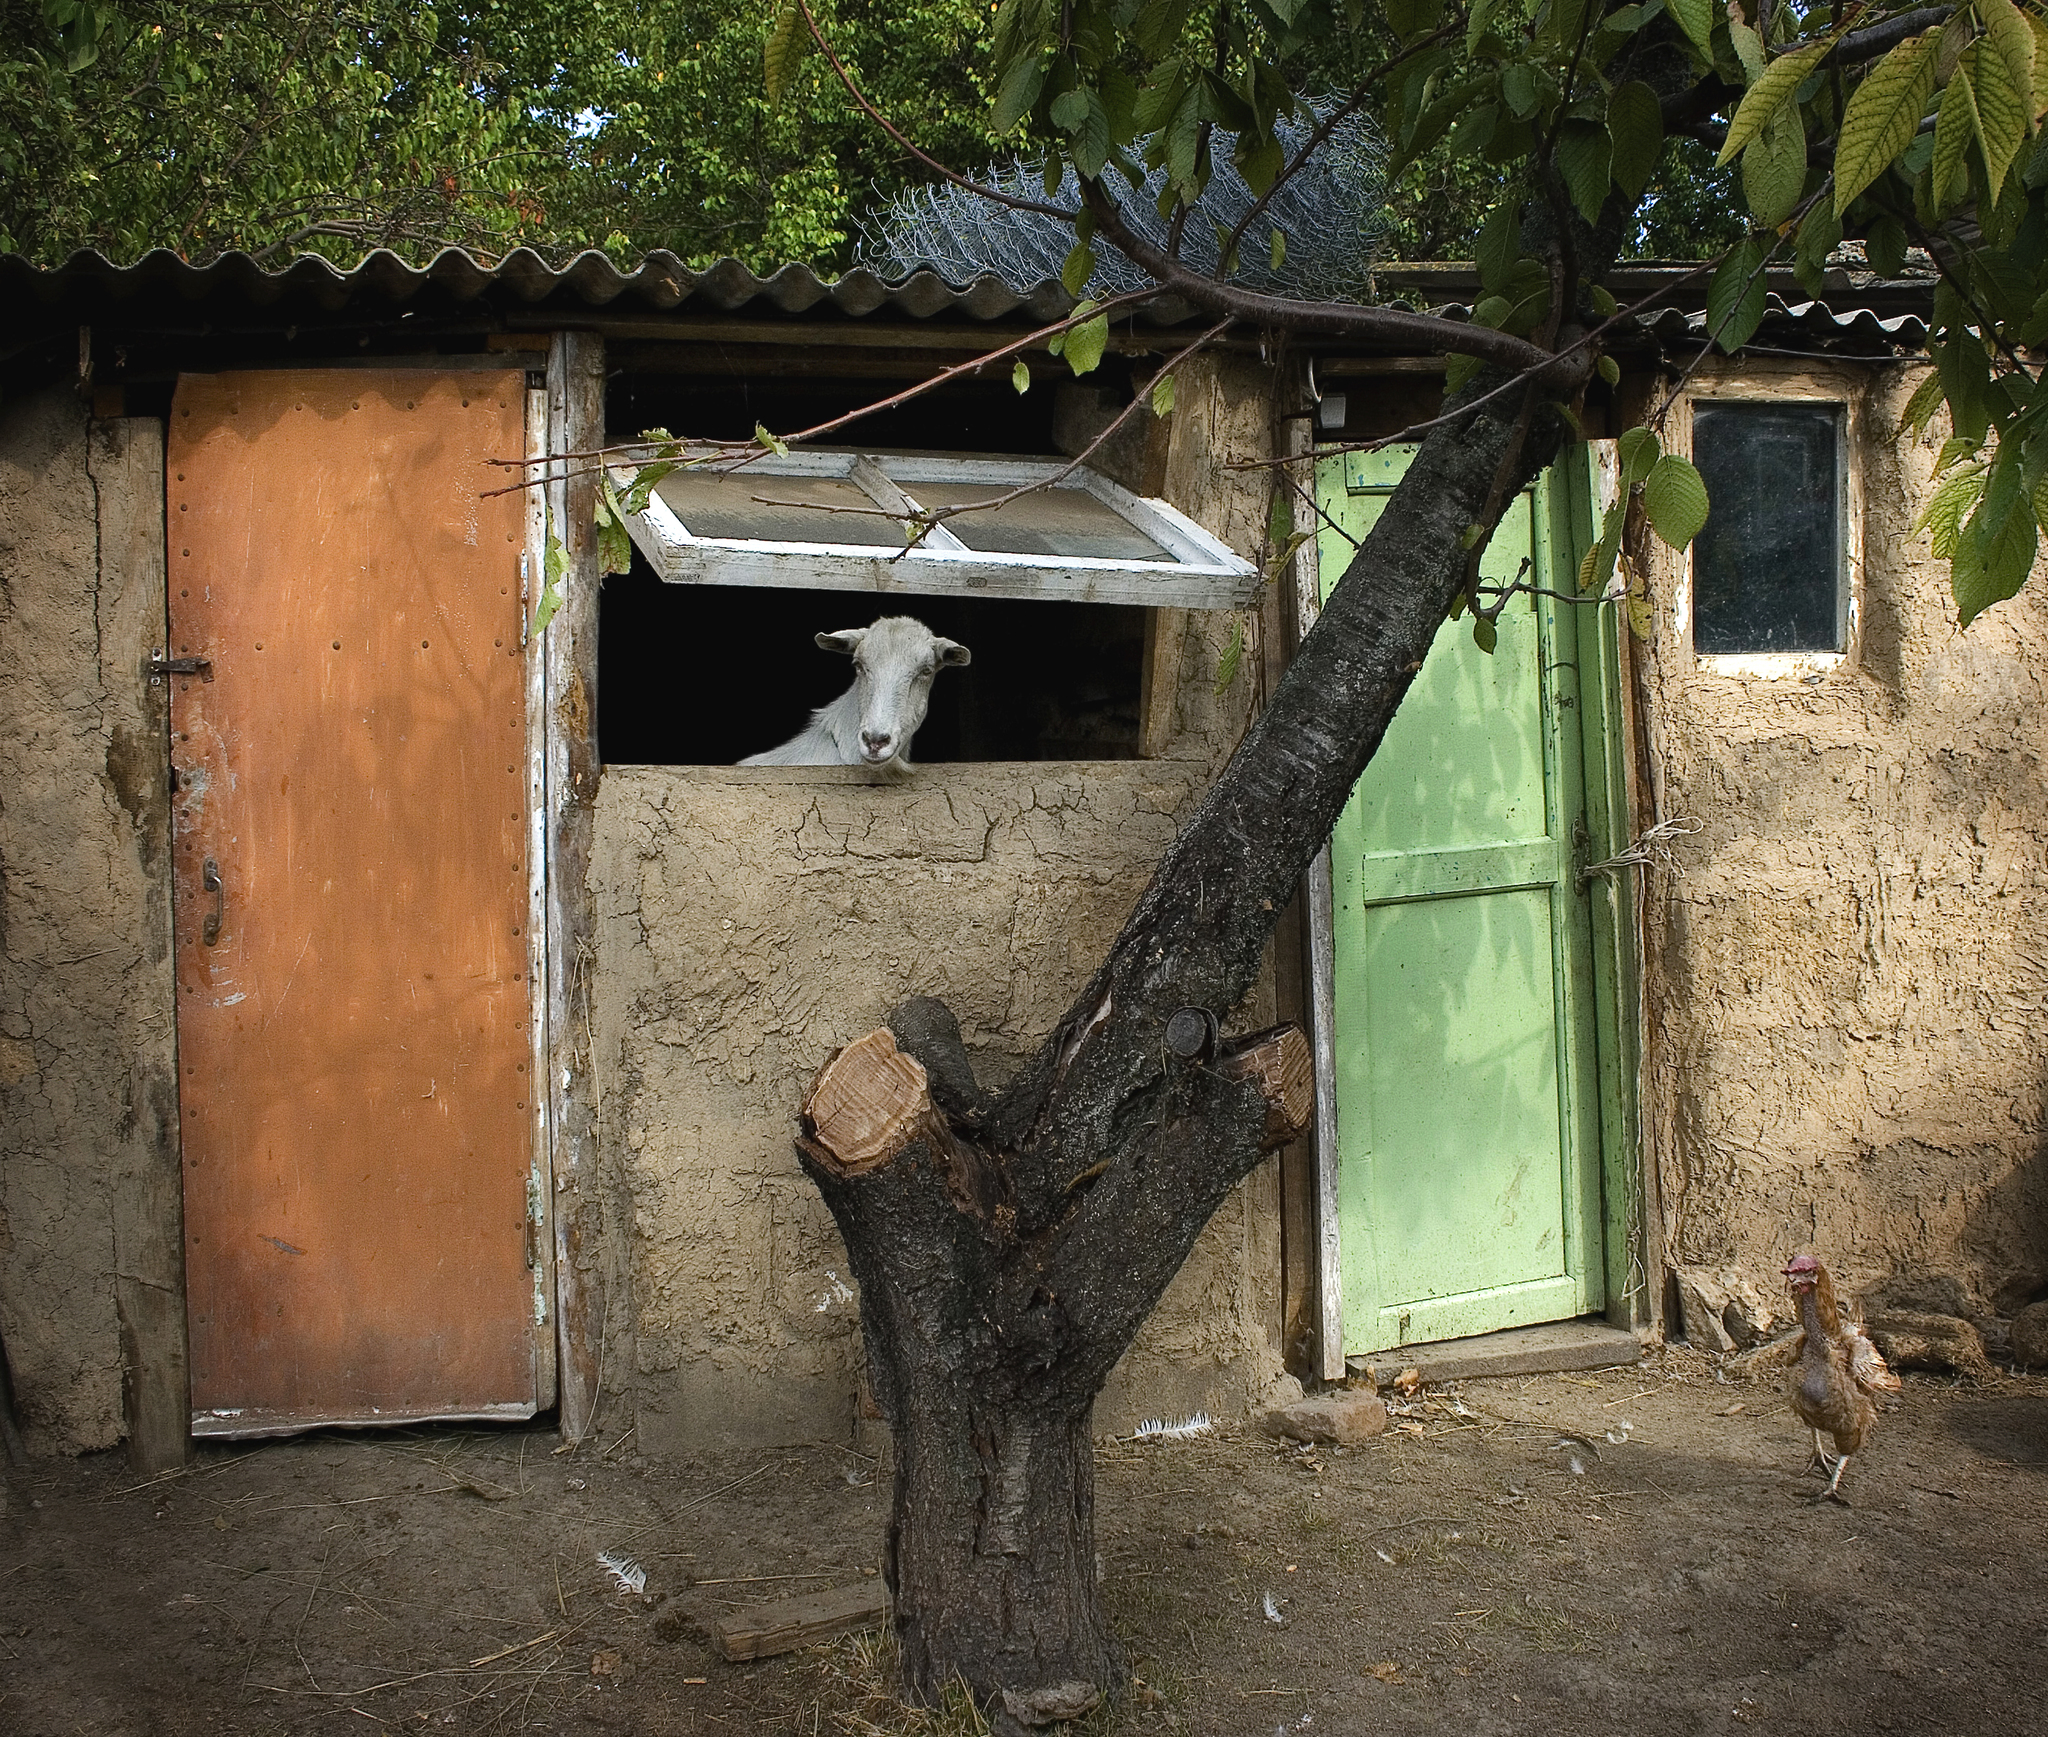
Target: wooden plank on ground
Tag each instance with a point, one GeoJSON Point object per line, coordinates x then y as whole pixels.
{"type": "Point", "coordinates": [763, 1630]}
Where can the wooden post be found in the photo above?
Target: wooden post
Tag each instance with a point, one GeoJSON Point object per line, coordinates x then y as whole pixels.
{"type": "Point", "coordinates": [583, 1273]}
{"type": "Point", "coordinates": [126, 459]}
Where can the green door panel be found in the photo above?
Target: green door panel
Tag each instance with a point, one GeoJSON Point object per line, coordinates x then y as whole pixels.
{"type": "Point", "coordinates": [1468, 1102]}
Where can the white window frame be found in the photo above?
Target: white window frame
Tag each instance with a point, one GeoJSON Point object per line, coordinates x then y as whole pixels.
{"type": "Point", "coordinates": [1761, 382]}
{"type": "Point", "coordinates": [1203, 572]}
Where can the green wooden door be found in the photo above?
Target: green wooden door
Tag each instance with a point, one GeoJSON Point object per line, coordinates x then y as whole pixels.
{"type": "Point", "coordinates": [1468, 1101]}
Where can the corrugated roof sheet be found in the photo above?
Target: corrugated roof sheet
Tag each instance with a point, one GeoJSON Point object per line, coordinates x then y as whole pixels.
{"type": "Point", "coordinates": [660, 283]}
{"type": "Point", "coordinates": [1863, 315]}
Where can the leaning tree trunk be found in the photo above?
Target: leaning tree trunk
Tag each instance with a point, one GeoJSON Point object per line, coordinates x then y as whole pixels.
{"type": "Point", "coordinates": [1008, 1246]}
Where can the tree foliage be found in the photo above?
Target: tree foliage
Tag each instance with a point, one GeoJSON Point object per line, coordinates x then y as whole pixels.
{"type": "Point", "coordinates": [1900, 126]}
{"type": "Point", "coordinates": [274, 125]}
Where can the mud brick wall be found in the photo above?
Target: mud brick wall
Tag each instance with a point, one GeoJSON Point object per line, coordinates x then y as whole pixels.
{"type": "Point", "coordinates": [91, 1280]}
{"type": "Point", "coordinates": [1848, 981]}
{"type": "Point", "coordinates": [749, 921]}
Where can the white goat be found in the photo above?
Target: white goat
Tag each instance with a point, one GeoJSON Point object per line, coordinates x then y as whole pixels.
{"type": "Point", "coordinates": [872, 722]}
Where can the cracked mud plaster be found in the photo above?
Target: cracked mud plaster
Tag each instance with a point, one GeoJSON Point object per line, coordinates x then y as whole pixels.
{"type": "Point", "coordinates": [1848, 984]}
{"type": "Point", "coordinates": [82, 919]}
{"type": "Point", "coordinates": [745, 927]}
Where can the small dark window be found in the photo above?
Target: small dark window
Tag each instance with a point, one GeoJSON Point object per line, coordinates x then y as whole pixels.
{"type": "Point", "coordinates": [1767, 572]}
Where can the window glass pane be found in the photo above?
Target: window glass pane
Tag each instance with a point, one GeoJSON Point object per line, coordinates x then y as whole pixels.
{"type": "Point", "coordinates": [776, 509]}
{"type": "Point", "coordinates": [1058, 522]}
{"type": "Point", "coordinates": [1767, 570]}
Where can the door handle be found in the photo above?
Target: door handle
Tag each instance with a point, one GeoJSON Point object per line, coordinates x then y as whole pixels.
{"type": "Point", "coordinates": [209, 931]}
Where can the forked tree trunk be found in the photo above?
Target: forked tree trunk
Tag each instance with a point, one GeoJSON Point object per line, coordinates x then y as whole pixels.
{"type": "Point", "coordinates": [1008, 1247]}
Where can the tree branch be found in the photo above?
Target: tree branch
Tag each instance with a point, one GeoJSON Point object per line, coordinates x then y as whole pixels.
{"type": "Point", "coordinates": [995, 194]}
{"type": "Point", "coordinates": [1316, 319]}
{"type": "Point", "coordinates": [1329, 125]}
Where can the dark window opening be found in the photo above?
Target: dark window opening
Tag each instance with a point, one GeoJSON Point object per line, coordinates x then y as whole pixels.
{"type": "Point", "coordinates": [704, 675]}
{"type": "Point", "coordinates": [1767, 572]}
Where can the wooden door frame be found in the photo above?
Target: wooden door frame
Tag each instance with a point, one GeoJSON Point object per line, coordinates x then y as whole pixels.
{"type": "Point", "coordinates": [1628, 1217]}
{"type": "Point", "coordinates": [586, 1270]}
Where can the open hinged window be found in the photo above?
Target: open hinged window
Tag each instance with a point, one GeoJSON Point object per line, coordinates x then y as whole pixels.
{"type": "Point", "coordinates": [835, 521]}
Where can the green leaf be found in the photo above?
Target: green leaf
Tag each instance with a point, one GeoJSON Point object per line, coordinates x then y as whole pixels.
{"type": "Point", "coordinates": [1261, 165]}
{"type": "Point", "coordinates": [1584, 156]}
{"type": "Point", "coordinates": [1819, 234]}
{"type": "Point", "coordinates": [1475, 131]}
{"type": "Point", "coordinates": [1069, 109]}
{"type": "Point", "coordinates": [1458, 372]}
{"type": "Point", "coordinates": [1500, 243]}
{"type": "Point", "coordinates": [1406, 18]}
{"type": "Point", "coordinates": [774, 443]}
{"type": "Point", "coordinates": [1748, 46]}
{"type": "Point", "coordinates": [1920, 408]}
{"type": "Point", "coordinates": [555, 571]}
{"type": "Point", "coordinates": [1518, 88]}
{"type": "Point", "coordinates": [1277, 249]}
{"type": "Point", "coordinates": [1995, 552]}
{"type": "Point", "coordinates": [1884, 246]}
{"type": "Point", "coordinates": [1773, 91]}
{"type": "Point", "coordinates": [1017, 93]}
{"type": "Point", "coordinates": [1675, 500]}
{"type": "Point", "coordinates": [1020, 377]}
{"type": "Point", "coordinates": [787, 39]}
{"type": "Point", "coordinates": [1596, 566]}
{"type": "Point", "coordinates": [2003, 110]}
{"type": "Point", "coordinates": [1953, 449]}
{"type": "Point", "coordinates": [1635, 122]}
{"type": "Point", "coordinates": [1085, 343]}
{"type": "Point", "coordinates": [1603, 300]}
{"type": "Point", "coordinates": [1280, 516]}
{"type": "Point", "coordinates": [1774, 168]}
{"type": "Point", "coordinates": [614, 543]}
{"type": "Point", "coordinates": [1954, 128]}
{"type": "Point", "coordinates": [1953, 496]}
{"type": "Point", "coordinates": [1638, 449]}
{"type": "Point", "coordinates": [1481, 16]}
{"type": "Point", "coordinates": [1078, 269]}
{"type": "Point", "coordinates": [1609, 370]}
{"type": "Point", "coordinates": [2010, 40]}
{"type": "Point", "coordinates": [1232, 655]}
{"type": "Point", "coordinates": [1696, 19]}
{"type": "Point", "coordinates": [1735, 299]}
{"type": "Point", "coordinates": [1484, 634]}
{"type": "Point", "coordinates": [1162, 395]}
{"type": "Point", "coordinates": [1884, 113]}
{"type": "Point", "coordinates": [641, 491]}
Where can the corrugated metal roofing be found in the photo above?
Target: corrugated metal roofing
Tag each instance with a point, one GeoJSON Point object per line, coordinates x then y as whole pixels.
{"type": "Point", "coordinates": [1887, 315]}
{"type": "Point", "coordinates": [660, 283]}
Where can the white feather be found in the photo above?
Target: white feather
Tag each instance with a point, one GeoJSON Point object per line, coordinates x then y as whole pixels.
{"type": "Point", "coordinates": [1158, 1429]}
{"type": "Point", "coordinates": [1272, 1609]}
{"type": "Point", "coordinates": [622, 1568]}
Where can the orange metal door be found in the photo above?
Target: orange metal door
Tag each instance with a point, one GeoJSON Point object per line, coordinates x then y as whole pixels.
{"type": "Point", "coordinates": [354, 1041]}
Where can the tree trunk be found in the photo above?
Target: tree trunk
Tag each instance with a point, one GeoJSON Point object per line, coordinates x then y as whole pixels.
{"type": "Point", "coordinates": [992, 1550]}
{"type": "Point", "coordinates": [1008, 1247]}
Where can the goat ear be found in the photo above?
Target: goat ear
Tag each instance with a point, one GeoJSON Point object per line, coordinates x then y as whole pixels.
{"type": "Point", "coordinates": [846, 644]}
{"type": "Point", "coordinates": [952, 651]}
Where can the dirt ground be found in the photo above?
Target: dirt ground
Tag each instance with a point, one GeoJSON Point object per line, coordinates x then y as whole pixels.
{"type": "Point", "coordinates": [1630, 1550]}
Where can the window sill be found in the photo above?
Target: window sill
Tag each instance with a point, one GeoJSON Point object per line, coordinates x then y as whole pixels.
{"type": "Point", "coordinates": [1770, 666]}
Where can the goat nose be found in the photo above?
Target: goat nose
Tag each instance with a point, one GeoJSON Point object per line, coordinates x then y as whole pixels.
{"type": "Point", "coordinates": [875, 738]}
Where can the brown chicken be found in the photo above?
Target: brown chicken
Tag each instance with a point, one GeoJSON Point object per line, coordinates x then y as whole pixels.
{"type": "Point", "coordinates": [1834, 1383]}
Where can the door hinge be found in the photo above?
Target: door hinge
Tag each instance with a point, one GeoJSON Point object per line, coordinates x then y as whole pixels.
{"type": "Point", "coordinates": [160, 666]}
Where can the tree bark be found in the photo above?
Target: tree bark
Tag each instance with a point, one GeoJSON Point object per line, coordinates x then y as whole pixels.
{"type": "Point", "coordinates": [1009, 1246]}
